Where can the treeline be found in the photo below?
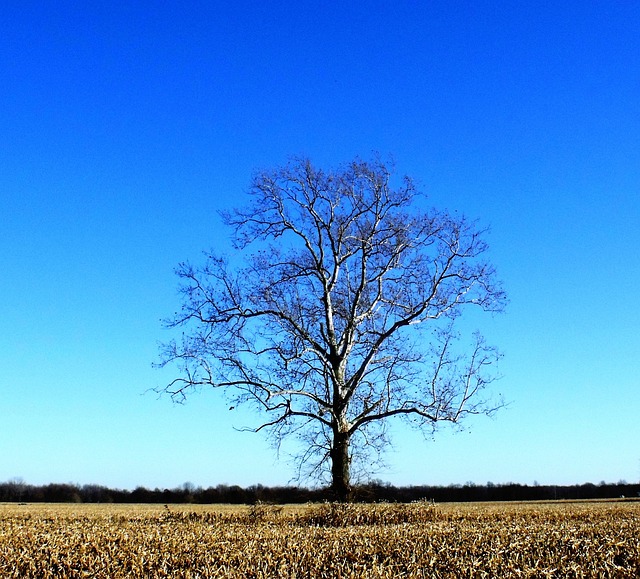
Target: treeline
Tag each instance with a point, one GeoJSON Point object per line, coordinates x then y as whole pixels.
{"type": "Point", "coordinates": [501, 492]}
{"type": "Point", "coordinates": [17, 491]}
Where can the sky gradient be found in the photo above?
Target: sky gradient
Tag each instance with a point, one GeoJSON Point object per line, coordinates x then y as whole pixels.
{"type": "Point", "coordinates": [125, 128]}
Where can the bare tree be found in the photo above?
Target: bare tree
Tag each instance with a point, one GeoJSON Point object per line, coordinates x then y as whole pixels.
{"type": "Point", "coordinates": [343, 314]}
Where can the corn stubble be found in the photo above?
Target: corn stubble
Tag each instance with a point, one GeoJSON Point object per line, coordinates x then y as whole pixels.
{"type": "Point", "coordinates": [599, 539]}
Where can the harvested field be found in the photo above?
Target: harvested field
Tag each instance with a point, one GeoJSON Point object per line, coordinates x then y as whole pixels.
{"type": "Point", "coordinates": [588, 539]}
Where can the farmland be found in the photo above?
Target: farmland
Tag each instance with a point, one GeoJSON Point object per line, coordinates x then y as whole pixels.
{"type": "Point", "coordinates": [561, 539]}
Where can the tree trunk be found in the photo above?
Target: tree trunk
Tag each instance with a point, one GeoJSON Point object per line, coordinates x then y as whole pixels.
{"type": "Point", "coordinates": [340, 463]}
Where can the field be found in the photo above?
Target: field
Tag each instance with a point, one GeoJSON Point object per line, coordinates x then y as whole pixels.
{"type": "Point", "coordinates": [588, 539]}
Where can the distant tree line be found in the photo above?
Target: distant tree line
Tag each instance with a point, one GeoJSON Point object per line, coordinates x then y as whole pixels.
{"type": "Point", "coordinates": [18, 491]}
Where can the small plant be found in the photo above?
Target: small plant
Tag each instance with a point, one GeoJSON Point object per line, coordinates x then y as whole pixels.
{"type": "Point", "coordinates": [261, 512]}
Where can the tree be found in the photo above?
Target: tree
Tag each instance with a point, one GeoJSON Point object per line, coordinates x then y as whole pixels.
{"type": "Point", "coordinates": [342, 315]}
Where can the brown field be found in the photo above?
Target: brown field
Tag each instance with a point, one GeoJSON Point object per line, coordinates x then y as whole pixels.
{"type": "Point", "coordinates": [587, 539]}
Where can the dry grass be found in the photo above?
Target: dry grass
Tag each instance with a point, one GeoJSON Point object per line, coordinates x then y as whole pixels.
{"type": "Point", "coordinates": [591, 539]}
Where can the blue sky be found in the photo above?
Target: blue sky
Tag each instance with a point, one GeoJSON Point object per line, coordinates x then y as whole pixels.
{"type": "Point", "coordinates": [125, 127]}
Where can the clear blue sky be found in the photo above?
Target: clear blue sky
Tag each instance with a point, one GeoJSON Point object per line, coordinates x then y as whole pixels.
{"type": "Point", "coordinates": [124, 127]}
